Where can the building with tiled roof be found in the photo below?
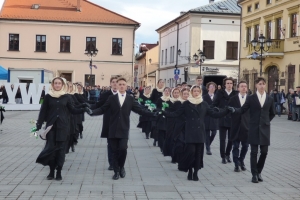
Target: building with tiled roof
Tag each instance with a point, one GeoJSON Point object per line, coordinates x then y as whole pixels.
{"type": "Point", "coordinates": [214, 29]}
{"type": "Point", "coordinates": [55, 34]}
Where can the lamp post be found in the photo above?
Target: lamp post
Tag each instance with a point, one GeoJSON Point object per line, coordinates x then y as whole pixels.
{"type": "Point", "coordinates": [91, 53]}
{"type": "Point", "coordinates": [262, 46]}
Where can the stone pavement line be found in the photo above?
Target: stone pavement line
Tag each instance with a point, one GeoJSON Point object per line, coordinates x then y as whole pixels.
{"type": "Point", "coordinates": [149, 174]}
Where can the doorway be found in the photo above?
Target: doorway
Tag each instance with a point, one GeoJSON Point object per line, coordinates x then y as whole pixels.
{"type": "Point", "coordinates": [273, 78]}
{"type": "Point", "coordinates": [67, 76]}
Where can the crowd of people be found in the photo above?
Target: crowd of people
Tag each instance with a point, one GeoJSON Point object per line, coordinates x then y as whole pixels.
{"type": "Point", "coordinates": [183, 121]}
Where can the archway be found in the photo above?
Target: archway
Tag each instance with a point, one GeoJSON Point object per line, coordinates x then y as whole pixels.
{"type": "Point", "coordinates": [273, 78]}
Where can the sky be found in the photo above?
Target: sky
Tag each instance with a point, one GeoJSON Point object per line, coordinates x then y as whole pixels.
{"type": "Point", "coordinates": [151, 14]}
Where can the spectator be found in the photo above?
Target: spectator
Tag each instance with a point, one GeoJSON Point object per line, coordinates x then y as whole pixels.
{"type": "Point", "coordinates": [290, 100]}
{"type": "Point", "coordinates": [18, 97]}
{"type": "Point", "coordinates": [92, 94]}
{"type": "Point", "coordinates": [4, 94]}
{"type": "Point", "coordinates": [277, 101]}
{"type": "Point", "coordinates": [282, 100]}
{"type": "Point", "coordinates": [296, 108]}
{"type": "Point", "coordinates": [219, 87]}
{"type": "Point", "coordinates": [42, 96]}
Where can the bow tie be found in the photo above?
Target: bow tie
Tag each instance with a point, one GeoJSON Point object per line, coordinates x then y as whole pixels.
{"type": "Point", "coordinates": [242, 96]}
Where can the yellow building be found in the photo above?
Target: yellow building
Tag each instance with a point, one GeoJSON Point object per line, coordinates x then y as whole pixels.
{"type": "Point", "coordinates": [278, 20]}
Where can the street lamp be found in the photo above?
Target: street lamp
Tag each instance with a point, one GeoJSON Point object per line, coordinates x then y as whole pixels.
{"type": "Point", "coordinates": [201, 60]}
{"type": "Point", "coordinates": [262, 46]}
{"type": "Point", "coordinates": [91, 53]}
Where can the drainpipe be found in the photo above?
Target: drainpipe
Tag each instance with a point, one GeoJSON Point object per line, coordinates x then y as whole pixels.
{"type": "Point", "coordinates": [177, 48]}
{"type": "Point", "coordinates": [240, 42]}
{"type": "Point", "coordinates": [133, 39]}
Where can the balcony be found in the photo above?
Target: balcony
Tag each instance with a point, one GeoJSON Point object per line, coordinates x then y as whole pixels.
{"type": "Point", "coordinates": [276, 50]}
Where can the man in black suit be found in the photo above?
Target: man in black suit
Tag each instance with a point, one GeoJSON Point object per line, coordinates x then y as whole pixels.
{"type": "Point", "coordinates": [261, 107]}
{"type": "Point", "coordinates": [239, 128]}
{"type": "Point", "coordinates": [120, 106]}
{"type": "Point", "coordinates": [221, 101]}
{"type": "Point", "coordinates": [199, 82]}
{"type": "Point", "coordinates": [106, 117]}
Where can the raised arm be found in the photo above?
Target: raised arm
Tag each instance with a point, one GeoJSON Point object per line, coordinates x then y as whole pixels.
{"type": "Point", "coordinates": [217, 113]}
{"type": "Point", "coordinates": [74, 110]}
{"type": "Point", "coordinates": [101, 110]}
{"type": "Point", "coordinates": [137, 108]}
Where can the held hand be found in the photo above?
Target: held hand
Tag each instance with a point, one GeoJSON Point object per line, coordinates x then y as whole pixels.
{"type": "Point", "coordinates": [38, 127]}
{"type": "Point", "coordinates": [88, 111]}
{"type": "Point", "coordinates": [231, 109]}
{"type": "Point", "coordinates": [86, 105]}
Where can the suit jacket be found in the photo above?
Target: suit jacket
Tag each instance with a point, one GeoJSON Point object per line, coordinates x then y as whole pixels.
{"type": "Point", "coordinates": [119, 122]}
{"type": "Point", "coordinates": [56, 111]}
{"type": "Point", "coordinates": [221, 100]}
{"type": "Point", "coordinates": [239, 122]}
{"type": "Point", "coordinates": [204, 90]}
{"type": "Point", "coordinates": [195, 115]}
{"type": "Point", "coordinates": [260, 118]}
{"type": "Point", "coordinates": [106, 116]}
{"type": "Point", "coordinates": [210, 123]}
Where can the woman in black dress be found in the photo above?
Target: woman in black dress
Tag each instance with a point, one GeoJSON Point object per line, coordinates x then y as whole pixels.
{"type": "Point", "coordinates": [54, 111]}
{"type": "Point", "coordinates": [179, 141]}
{"type": "Point", "coordinates": [156, 94]}
{"type": "Point", "coordinates": [195, 110]}
{"type": "Point", "coordinates": [144, 121]}
{"type": "Point", "coordinates": [169, 141]}
{"type": "Point", "coordinates": [162, 120]}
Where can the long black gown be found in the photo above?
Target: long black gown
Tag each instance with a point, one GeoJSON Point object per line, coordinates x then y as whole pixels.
{"type": "Point", "coordinates": [154, 98]}
{"type": "Point", "coordinates": [145, 121]}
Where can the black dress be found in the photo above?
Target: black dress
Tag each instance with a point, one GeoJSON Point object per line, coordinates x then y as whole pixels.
{"type": "Point", "coordinates": [55, 111]}
{"type": "Point", "coordinates": [154, 98]}
{"type": "Point", "coordinates": [145, 121]}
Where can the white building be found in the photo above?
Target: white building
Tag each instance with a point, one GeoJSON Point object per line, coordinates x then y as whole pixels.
{"type": "Point", "coordinates": [214, 29]}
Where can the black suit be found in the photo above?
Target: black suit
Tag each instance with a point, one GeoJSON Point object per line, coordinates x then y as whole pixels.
{"type": "Point", "coordinates": [119, 125]}
{"type": "Point", "coordinates": [211, 124]}
{"type": "Point", "coordinates": [259, 129]}
{"type": "Point", "coordinates": [239, 131]}
{"type": "Point", "coordinates": [221, 100]}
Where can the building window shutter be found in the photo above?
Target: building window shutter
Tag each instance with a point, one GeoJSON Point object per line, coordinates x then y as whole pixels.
{"type": "Point", "coordinates": [209, 49]}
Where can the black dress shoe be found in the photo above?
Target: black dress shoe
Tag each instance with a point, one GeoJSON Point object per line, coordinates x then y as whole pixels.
{"type": "Point", "coordinates": [260, 179]}
{"type": "Point", "coordinates": [254, 179]}
{"type": "Point", "coordinates": [58, 175]}
{"type": "Point", "coordinates": [228, 159]}
{"type": "Point", "coordinates": [237, 169]}
{"type": "Point", "coordinates": [73, 148]}
{"type": "Point", "coordinates": [116, 176]}
{"type": "Point", "coordinates": [195, 177]}
{"type": "Point", "coordinates": [190, 176]}
{"type": "Point", "coordinates": [154, 143]}
{"type": "Point", "coordinates": [224, 161]}
{"type": "Point", "coordinates": [208, 152]}
{"type": "Point", "coordinates": [242, 166]}
{"type": "Point", "coordinates": [122, 173]}
{"type": "Point", "coordinates": [51, 175]}
{"type": "Point", "coordinates": [110, 168]}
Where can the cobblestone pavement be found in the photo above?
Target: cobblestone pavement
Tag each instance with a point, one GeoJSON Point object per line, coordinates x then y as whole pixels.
{"type": "Point", "coordinates": [149, 174]}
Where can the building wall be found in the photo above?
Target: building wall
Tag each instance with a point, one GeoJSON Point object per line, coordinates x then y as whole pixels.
{"type": "Point", "coordinates": [75, 62]}
{"type": "Point", "coordinates": [289, 46]}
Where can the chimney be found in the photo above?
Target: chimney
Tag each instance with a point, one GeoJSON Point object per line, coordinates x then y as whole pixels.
{"type": "Point", "coordinates": [211, 1]}
{"type": "Point", "coordinates": [182, 13]}
{"type": "Point", "coordinates": [78, 8]}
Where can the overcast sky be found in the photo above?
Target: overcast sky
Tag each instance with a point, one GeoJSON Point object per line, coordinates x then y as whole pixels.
{"type": "Point", "coordinates": [152, 14]}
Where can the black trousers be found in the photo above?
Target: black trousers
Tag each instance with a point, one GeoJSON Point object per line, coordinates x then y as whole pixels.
{"type": "Point", "coordinates": [257, 166]}
{"type": "Point", "coordinates": [225, 150]}
{"type": "Point", "coordinates": [196, 152]}
{"type": "Point", "coordinates": [119, 152]}
{"type": "Point", "coordinates": [238, 155]}
{"type": "Point", "coordinates": [109, 153]}
{"type": "Point", "coordinates": [209, 138]}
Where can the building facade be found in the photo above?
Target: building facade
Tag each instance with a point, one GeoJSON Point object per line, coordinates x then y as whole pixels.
{"type": "Point", "coordinates": [147, 62]}
{"type": "Point", "coordinates": [213, 29]}
{"type": "Point", "coordinates": [277, 20]}
{"type": "Point", "coordinates": [55, 35]}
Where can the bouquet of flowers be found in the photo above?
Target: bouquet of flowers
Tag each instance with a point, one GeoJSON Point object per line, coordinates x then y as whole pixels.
{"type": "Point", "coordinates": [140, 100]}
{"type": "Point", "coordinates": [152, 107]}
{"type": "Point", "coordinates": [33, 131]}
{"type": "Point", "coordinates": [164, 106]}
{"type": "Point", "coordinates": [147, 102]}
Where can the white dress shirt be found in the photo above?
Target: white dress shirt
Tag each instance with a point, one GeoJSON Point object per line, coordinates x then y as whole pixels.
{"type": "Point", "coordinates": [228, 92]}
{"type": "Point", "coordinates": [114, 92]}
{"type": "Point", "coordinates": [211, 96]}
{"type": "Point", "coordinates": [261, 98]}
{"type": "Point", "coordinates": [121, 98]}
{"type": "Point", "coordinates": [242, 99]}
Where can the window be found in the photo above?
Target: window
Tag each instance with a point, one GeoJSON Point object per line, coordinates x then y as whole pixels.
{"type": "Point", "coordinates": [65, 43]}
{"type": "Point", "coordinates": [268, 30]}
{"type": "Point", "coordinates": [294, 25]}
{"type": "Point", "coordinates": [90, 43]}
{"type": "Point", "coordinates": [166, 57]}
{"type": "Point", "coordinates": [254, 78]}
{"type": "Point", "coordinates": [249, 8]}
{"type": "Point", "coordinates": [256, 6]}
{"type": "Point", "coordinates": [13, 42]}
{"type": "Point", "coordinates": [40, 43]}
{"type": "Point", "coordinates": [116, 46]}
{"type": "Point", "coordinates": [269, 2]}
{"type": "Point", "coordinates": [232, 51]}
{"type": "Point", "coordinates": [248, 36]}
{"type": "Point", "coordinates": [256, 31]}
{"type": "Point", "coordinates": [162, 57]}
{"type": "Point", "coordinates": [278, 28]}
{"type": "Point", "coordinates": [171, 57]}
{"type": "Point", "coordinates": [209, 49]}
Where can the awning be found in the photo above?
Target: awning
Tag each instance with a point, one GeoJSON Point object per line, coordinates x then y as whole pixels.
{"type": "Point", "coordinates": [3, 73]}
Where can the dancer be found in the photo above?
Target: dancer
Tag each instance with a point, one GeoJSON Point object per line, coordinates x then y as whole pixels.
{"type": "Point", "coordinates": [120, 106]}
{"type": "Point", "coordinates": [54, 111]}
{"type": "Point", "coordinates": [161, 125]}
{"type": "Point", "coordinates": [211, 124]}
{"type": "Point", "coordinates": [221, 100]}
{"type": "Point", "coordinates": [261, 107]}
{"type": "Point", "coordinates": [156, 94]}
{"type": "Point", "coordinates": [239, 128]}
{"type": "Point", "coordinates": [106, 117]}
{"type": "Point", "coordinates": [195, 110]}
{"type": "Point", "coordinates": [145, 122]}
{"type": "Point", "coordinates": [170, 124]}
